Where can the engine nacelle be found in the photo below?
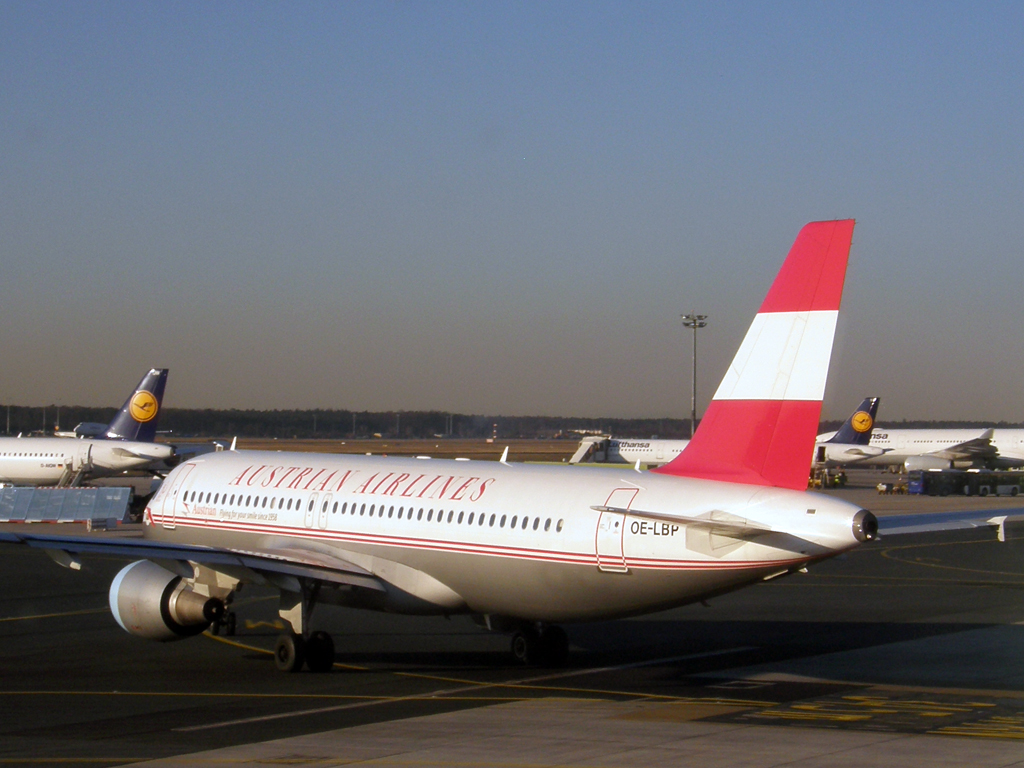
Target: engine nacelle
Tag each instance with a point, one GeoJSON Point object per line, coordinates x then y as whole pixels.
{"type": "Point", "coordinates": [150, 601]}
{"type": "Point", "coordinates": [926, 462]}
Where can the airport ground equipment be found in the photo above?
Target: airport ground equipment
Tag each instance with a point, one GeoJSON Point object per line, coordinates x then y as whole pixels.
{"type": "Point", "coordinates": [971, 482]}
{"type": "Point", "coordinates": [65, 505]}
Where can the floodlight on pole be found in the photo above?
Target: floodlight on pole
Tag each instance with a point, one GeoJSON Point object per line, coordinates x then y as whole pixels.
{"type": "Point", "coordinates": [694, 322]}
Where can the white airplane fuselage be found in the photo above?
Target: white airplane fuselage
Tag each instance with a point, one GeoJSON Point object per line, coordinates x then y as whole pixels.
{"type": "Point", "coordinates": [514, 540]}
{"type": "Point", "coordinates": [45, 460]}
{"type": "Point", "coordinates": [898, 445]}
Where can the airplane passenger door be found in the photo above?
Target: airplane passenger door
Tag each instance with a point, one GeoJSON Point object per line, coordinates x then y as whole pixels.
{"type": "Point", "coordinates": [325, 505]}
{"type": "Point", "coordinates": [611, 528]}
{"type": "Point", "coordinates": [310, 511]}
{"type": "Point", "coordinates": [170, 502]}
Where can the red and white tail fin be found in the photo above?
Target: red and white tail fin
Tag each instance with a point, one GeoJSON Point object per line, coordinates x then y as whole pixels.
{"type": "Point", "coordinates": [760, 427]}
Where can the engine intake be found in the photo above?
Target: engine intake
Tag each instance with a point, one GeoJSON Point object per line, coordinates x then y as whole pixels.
{"type": "Point", "coordinates": [865, 526]}
{"type": "Point", "coordinates": [150, 601]}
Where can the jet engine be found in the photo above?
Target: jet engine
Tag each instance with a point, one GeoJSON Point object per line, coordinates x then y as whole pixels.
{"type": "Point", "coordinates": [926, 462]}
{"type": "Point", "coordinates": [150, 601]}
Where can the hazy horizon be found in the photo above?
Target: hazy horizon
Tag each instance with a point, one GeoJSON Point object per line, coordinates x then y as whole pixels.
{"type": "Point", "coordinates": [503, 207]}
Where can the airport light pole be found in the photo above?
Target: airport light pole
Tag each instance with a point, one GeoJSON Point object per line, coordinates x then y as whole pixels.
{"type": "Point", "coordinates": [694, 322]}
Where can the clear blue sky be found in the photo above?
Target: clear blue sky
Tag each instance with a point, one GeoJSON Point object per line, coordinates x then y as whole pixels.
{"type": "Point", "coordinates": [503, 207]}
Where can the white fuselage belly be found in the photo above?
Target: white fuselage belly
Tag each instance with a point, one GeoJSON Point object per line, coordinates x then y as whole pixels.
{"type": "Point", "coordinates": [599, 565]}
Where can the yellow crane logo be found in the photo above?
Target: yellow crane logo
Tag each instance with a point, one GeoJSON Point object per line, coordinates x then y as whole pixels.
{"type": "Point", "coordinates": [861, 421]}
{"type": "Point", "coordinates": [143, 406]}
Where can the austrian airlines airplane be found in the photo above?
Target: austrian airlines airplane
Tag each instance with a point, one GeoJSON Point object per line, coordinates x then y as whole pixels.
{"type": "Point", "coordinates": [521, 547]}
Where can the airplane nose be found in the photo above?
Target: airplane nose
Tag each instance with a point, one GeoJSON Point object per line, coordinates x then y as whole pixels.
{"type": "Point", "coordinates": [865, 526]}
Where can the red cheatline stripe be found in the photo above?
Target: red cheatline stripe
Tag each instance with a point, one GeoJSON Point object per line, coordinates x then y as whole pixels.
{"type": "Point", "coordinates": [589, 559]}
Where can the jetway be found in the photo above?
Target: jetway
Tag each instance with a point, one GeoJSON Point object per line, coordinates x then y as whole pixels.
{"type": "Point", "coordinates": [99, 506]}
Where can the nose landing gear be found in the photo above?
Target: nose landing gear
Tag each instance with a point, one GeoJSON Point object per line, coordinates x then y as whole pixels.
{"type": "Point", "coordinates": [543, 646]}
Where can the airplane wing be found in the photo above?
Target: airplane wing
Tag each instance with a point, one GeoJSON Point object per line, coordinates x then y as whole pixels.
{"type": "Point", "coordinates": [979, 447]}
{"type": "Point", "coordinates": [929, 522]}
{"type": "Point", "coordinates": [267, 564]}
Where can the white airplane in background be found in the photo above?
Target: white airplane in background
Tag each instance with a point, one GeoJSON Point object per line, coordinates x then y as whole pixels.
{"type": "Point", "coordinates": [907, 450]}
{"type": "Point", "coordinates": [126, 443]}
{"type": "Point", "coordinates": [848, 445]}
{"type": "Point", "coordinates": [617, 450]}
{"type": "Point", "coordinates": [520, 547]}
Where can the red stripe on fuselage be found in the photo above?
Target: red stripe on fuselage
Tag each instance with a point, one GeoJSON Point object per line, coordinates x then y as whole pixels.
{"type": "Point", "coordinates": [471, 548]}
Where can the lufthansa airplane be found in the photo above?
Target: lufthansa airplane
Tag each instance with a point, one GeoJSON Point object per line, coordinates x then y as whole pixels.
{"type": "Point", "coordinates": [127, 443]}
{"type": "Point", "coordinates": [906, 450]}
{"type": "Point", "coordinates": [850, 444]}
{"type": "Point", "coordinates": [522, 548]}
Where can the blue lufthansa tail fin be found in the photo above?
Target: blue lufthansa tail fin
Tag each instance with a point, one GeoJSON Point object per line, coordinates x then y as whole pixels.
{"type": "Point", "coordinates": [138, 416]}
{"type": "Point", "coordinates": [856, 430]}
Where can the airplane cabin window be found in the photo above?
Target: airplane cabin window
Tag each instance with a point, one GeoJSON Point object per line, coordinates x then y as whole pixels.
{"type": "Point", "coordinates": [451, 514]}
{"type": "Point", "coordinates": [515, 519]}
{"type": "Point", "coordinates": [391, 511]}
{"type": "Point", "coordinates": [502, 523]}
{"type": "Point", "coordinates": [470, 521]}
{"type": "Point", "coordinates": [362, 510]}
{"type": "Point", "coordinates": [460, 517]}
{"type": "Point", "coordinates": [372, 507]}
{"type": "Point", "coordinates": [559, 526]}
{"type": "Point", "coordinates": [419, 515]}
{"type": "Point", "coordinates": [547, 524]}
{"type": "Point", "coordinates": [536, 522]}
{"type": "Point", "coordinates": [334, 510]}
{"type": "Point", "coordinates": [310, 506]}
{"type": "Point", "coordinates": [430, 515]}
{"type": "Point", "coordinates": [526, 522]}
{"type": "Point", "coordinates": [247, 500]}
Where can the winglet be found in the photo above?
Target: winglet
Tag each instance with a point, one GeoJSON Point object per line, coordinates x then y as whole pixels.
{"type": "Point", "coordinates": [761, 425]}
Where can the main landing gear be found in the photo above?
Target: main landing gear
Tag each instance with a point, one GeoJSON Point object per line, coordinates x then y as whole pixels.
{"type": "Point", "coordinates": [541, 646]}
{"type": "Point", "coordinates": [316, 651]}
{"type": "Point", "coordinates": [301, 646]}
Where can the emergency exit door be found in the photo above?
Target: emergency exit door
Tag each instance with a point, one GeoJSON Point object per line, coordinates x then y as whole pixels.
{"type": "Point", "coordinates": [611, 528]}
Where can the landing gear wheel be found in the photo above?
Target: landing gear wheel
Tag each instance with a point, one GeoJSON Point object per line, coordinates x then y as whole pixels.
{"type": "Point", "coordinates": [320, 652]}
{"type": "Point", "coordinates": [289, 653]}
{"type": "Point", "coordinates": [525, 646]}
{"type": "Point", "coordinates": [554, 647]}
{"type": "Point", "coordinates": [230, 623]}
{"type": "Point", "coordinates": [547, 647]}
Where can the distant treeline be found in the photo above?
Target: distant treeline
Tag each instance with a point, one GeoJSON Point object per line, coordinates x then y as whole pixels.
{"type": "Point", "coordinates": [192, 422]}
